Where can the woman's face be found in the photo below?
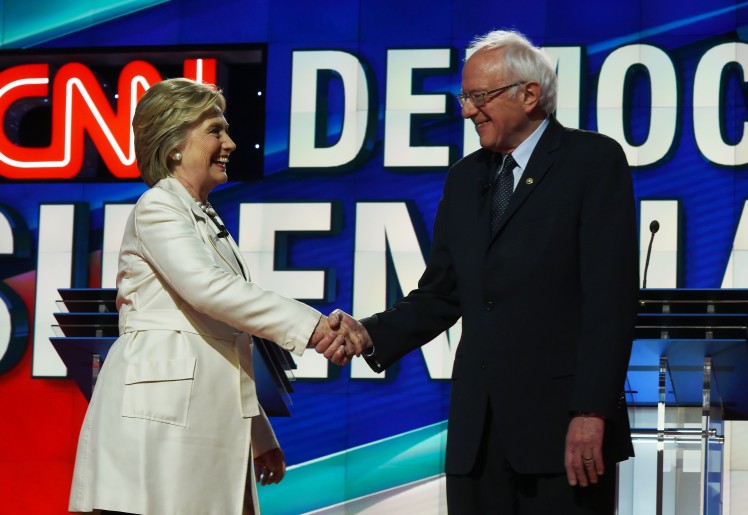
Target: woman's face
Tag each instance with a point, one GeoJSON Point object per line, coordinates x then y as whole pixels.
{"type": "Point", "coordinates": [205, 153]}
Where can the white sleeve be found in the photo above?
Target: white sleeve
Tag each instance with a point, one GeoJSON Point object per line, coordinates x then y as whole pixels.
{"type": "Point", "coordinates": [170, 242]}
{"type": "Point", "coordinates": [263, 436]}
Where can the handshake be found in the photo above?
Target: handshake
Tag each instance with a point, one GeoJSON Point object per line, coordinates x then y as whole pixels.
{"type": "Point", "coordinates": [340, 337]}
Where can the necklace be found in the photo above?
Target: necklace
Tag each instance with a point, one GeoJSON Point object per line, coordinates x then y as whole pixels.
{"type": "Point", "coordinates": [206, 208]}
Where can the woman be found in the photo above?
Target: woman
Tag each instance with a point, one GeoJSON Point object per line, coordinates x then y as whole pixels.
{"type": "Point", "coordinates": [174, 421]}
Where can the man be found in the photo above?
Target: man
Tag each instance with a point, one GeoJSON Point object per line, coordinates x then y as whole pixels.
{"type": "Point", "coordinates": [547, 296]}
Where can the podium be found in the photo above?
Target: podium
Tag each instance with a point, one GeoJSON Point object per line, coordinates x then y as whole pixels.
{"type": "Point", "coordinates": [691, 352]}
{"type": "Point", "coordinates": [87, 326]}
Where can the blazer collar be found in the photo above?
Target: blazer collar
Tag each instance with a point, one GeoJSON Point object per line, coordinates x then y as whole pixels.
{"type": "Point", "coordinates": [225, 247]}
{"type": "Point", "coordinates": [175, 187]}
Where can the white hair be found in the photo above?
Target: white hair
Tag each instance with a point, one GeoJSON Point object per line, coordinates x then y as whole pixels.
{"type": "Point", "coordinates": [523, 61]}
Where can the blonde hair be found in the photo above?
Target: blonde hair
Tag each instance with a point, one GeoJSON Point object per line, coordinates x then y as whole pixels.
{"type": "Point", "coordinates": [163, 116]}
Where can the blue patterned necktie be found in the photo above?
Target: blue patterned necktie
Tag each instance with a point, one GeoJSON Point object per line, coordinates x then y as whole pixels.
{"type": "Point", "coordinates": [502, 192]}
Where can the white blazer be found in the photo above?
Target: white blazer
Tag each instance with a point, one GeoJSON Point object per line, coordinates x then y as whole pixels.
{"type": "Point", "coordinates": [174, 419]}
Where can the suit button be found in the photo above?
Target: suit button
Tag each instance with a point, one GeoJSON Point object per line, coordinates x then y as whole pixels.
{"type": "Point", "coordinates": [489, 306]}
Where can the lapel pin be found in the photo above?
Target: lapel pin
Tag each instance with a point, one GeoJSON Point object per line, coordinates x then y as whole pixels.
{"type": "Point", "coordinates": [529, 180]}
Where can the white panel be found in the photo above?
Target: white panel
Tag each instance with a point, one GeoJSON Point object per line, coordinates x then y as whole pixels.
{"type": "Point", "coordinates": [382, 226]}
{"type": "Point", "coordinates": [115, 218]}
{"type": "Point", "coordinates": [302, 151]}
{"type": "Point", "coordinates": [738, 504]}
{"type": "Point", "coordinates": [258, 224]}
{"type": "Point", "coordinates": [736, 273]}
{"type": "Point", "coordinates": [707, 111]}
{"type": "Point", "coordinates": [568, 64]}
{"type": "Point", "coordinates": [6, 235]}
{"type": "Point", "coordinates": [6, 247]}
{"type": "Point", "coordinates": [664, 87]}
{"type": "Point", "coordinates": [53, 271]}
{"type": "Point", "coordinates": [739, 445]}
{"type": "Point", "coordinates": [470, 138]}
{"type": "Point", "coordinates": [5, 328]}
{"type": "Point", "coordinates": [402, 104]}
{"type": "Point", "coordinates": [427, 496]}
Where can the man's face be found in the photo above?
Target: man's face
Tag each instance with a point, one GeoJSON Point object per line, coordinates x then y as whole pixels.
{"type": "Point", "coordinates": [502, 122]}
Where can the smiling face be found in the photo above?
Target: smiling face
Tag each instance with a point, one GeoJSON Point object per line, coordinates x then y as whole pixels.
{"type": "Point", "coordinates": [205, 154]}
{"type": "Point", "coordinates": [507, 118]}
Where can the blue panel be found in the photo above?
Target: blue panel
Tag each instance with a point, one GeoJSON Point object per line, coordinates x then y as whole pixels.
{"type": "Point", "coordinates": [60, 17]}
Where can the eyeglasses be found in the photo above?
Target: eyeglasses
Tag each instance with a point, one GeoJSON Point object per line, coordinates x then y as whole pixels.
{"type": "Point", "coordinates": [479, 99]}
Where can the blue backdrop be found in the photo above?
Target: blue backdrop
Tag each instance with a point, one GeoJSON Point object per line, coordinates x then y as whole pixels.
{"type": "Point", "coordinates": [649, 71]}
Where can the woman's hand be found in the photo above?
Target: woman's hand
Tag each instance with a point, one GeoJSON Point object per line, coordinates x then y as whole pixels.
{"type": "Point", "coordinates": [270, 467]}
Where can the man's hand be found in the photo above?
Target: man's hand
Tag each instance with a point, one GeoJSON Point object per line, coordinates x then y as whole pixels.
{"type": "Point", "coordinates": [270, 467]}
{"type": "Point", "coordinates": [583, 457]}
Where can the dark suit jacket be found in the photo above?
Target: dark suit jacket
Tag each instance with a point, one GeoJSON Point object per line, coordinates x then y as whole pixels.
{"type": "Point", "coordinates": [548, 304]}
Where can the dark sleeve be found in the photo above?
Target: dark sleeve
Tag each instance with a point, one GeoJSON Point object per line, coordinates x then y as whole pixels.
{"type": "Point", "coordinates": [426, 311]}
{"type": "Point", "coordinates": [609, 271]}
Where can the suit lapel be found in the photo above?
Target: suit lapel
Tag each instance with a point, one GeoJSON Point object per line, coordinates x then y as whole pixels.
{"type": "Point", "coordinates": [220, 246]}
{"type": "Point", "coordinates": [239, 257]}
{"type": "Point", "coordinates": [540, 162]}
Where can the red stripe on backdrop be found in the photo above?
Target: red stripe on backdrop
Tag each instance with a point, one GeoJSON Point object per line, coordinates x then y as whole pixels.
{"type": "Point", "coordinates": [39, 424]}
